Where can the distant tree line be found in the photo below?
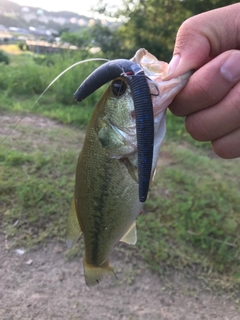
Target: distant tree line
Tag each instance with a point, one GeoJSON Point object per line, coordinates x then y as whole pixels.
{"type": "Point", "coordinates": [152, 24]}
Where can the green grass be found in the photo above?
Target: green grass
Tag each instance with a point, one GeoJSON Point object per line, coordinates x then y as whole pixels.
{"type": "Point", "coordinates": [77, 114]}
{"type": "Point", "coordinates": [28, 75]}
{"type": "Point", "coordinates": [191, 220]}
{"type": "Point", "coordinates": [24, 80]}
{"type": "Point", "coordinates": [37, 178]}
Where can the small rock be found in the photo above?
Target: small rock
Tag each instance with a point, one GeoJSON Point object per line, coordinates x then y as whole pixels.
{"type": "Point", "coordinates": [20, 251]}
{"type": "Point", "coordinates": [29, 262]}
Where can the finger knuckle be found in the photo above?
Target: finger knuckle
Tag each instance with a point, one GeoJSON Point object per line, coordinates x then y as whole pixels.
{"type": "Point", "coordinates": [185, 33]}
{"type": "Point", "coordinates": [176, 111]}
{"type": "Point", "coordinates": [188, 24]}
{"type": "Point", "coordinates": [235, 98]}
{"type": "Point", "coordinates": [221, 149]}
{"type": "Point", "coordinates": [196, 127]}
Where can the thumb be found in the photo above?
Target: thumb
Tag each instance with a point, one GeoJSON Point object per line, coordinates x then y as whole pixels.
{"type": "Point", "coordinates": [203, 37]}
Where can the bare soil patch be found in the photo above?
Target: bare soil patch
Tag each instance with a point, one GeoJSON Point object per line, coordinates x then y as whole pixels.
{"type": "Point", "coordinates": [53, 288]}
{"type": "Point", "coordinates": [42, 284]}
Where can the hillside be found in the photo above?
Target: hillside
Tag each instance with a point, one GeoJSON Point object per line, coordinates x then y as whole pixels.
{"type": "Point", "coordinates": [14, 15]}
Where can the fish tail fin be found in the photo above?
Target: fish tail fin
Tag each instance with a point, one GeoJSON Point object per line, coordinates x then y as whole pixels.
{"type": "Point", "coordinates": [93, 275]}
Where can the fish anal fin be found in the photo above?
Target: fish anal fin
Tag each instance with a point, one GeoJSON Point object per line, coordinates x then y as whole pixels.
{"type": "Point", "coordinates": [130, 236]}
{"type": "Point", "coordinates": [94, 274]}
{"type": "Point", "coordinates": [73, 228]}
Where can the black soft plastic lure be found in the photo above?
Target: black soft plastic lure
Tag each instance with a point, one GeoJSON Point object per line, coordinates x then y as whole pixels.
{"type": "Point", "coordinates": [143, 110]}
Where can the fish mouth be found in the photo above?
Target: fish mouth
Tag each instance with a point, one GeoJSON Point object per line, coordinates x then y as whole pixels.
{"type": "Point", "coordinates": [137, 81]}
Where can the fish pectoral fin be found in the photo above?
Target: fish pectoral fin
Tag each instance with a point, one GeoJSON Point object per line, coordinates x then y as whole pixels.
{"type": "Point", "coordinates": [130, 236]}
{"type": "Point", "coordinates": [132, 170]}
{"type": "Point", "coordinates": [73, 228]}
{"type": "Point", "coordinates": [94, 274]}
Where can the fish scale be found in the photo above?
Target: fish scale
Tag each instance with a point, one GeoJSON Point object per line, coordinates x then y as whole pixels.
{"type": "Point", "coordinates": [101, 198]}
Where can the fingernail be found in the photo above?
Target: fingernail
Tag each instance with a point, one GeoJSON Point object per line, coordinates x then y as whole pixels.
{"type": "Point", "coordinates": [173, 64]}
{"type": "Point", "coordinates": [231, 67]}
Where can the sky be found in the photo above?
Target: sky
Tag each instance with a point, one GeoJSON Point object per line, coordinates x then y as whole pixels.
{"type": "Point", "coordinates": [78, 6]}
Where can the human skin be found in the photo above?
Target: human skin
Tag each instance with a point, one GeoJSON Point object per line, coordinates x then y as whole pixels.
{"type": "Point", "coordinates": [209, 43]}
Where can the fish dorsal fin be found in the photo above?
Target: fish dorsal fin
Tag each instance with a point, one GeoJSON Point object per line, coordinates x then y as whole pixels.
{"type": "Point", "coordinates": [130, 236]}
{"type": "Point", "coordinates": [73, 228]}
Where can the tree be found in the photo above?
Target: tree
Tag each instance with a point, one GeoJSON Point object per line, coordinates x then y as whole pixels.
{"type": "Point", "coordinates": [200, 6]}
{"type": "Point", "coordinates": [153, 24]}
{"type": "Point", "coordinates": [98, 36]}
{"type": "Point", "coordinates": [80, 39]}
{"type": "Point", "coordinates": [107, 40]}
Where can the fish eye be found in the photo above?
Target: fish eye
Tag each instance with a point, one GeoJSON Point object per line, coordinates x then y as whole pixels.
{"type": "Point", "coordinates": [119, 87]}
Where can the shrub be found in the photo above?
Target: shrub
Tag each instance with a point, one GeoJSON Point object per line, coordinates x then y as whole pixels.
{"type": "Point", "coordinates": [4, 57]}
{"type": "Point", "coordinates": [21, 45]}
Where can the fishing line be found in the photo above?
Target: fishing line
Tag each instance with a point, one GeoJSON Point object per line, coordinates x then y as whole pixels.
{"type": "Point", "coordinates": [126, 75]}
{"type": "Point", "coordinates": [51, 83]}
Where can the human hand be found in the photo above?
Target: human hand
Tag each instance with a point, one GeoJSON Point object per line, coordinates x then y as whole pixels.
{"type": "Point", "coordinates": [209, 43]}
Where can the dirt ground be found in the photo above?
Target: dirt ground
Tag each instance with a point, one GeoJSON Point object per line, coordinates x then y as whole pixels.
{"type": "Point", "coordinates": [43, 285]}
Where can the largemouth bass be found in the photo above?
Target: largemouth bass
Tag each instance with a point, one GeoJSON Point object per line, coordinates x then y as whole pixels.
{"type": "Point", "coordinates": [106, 200]}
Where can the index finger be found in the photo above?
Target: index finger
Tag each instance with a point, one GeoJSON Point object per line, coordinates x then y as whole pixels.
{"type": "Point", "coordinates": [209, 84]}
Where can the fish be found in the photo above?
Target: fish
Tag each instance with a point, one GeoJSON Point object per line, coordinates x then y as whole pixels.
{"type": "Point", "coordinates": [106, 200]}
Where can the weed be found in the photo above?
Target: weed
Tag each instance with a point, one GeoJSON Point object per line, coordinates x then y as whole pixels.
{"type": "Point", "coordinates": [31, 78]}
{"type": "Point", "coordinates": [192, 215]}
